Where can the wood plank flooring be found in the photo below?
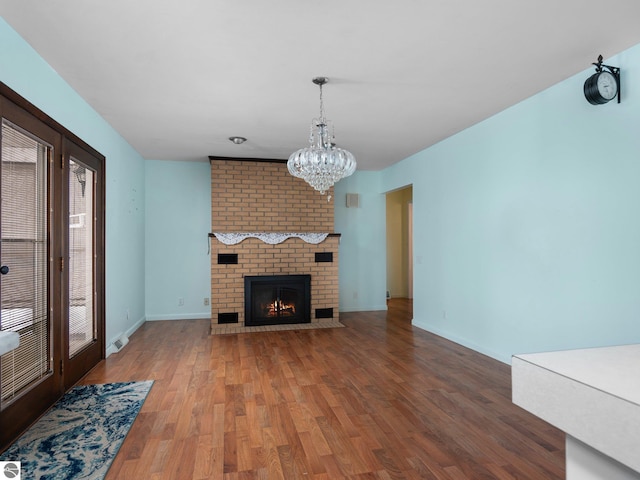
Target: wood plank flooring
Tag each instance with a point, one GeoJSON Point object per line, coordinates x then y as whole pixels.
{"type": "Point", "coordinates": [378, 399]}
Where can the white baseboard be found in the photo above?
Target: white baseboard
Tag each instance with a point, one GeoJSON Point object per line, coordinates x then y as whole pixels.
{"type": "Point", "coordinates": [364, 308]}
{"type": "Point", "coordinates": [186, 316]}
{"type": "Point", "coordinates": [462, 341]}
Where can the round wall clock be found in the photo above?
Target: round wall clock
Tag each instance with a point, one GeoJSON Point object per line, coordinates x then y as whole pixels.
{"type": "Point", "coordinates": [603, 85]}
{"type": "Point", "coordinates": [600, 88]}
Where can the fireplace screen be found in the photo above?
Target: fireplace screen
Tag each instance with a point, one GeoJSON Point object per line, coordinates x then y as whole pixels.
{"type": "Point", "coordinates": [280, 299]}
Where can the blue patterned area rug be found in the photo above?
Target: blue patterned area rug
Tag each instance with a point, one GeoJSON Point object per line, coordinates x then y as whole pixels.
{"type": "Point", "coordinates": [81, 434]}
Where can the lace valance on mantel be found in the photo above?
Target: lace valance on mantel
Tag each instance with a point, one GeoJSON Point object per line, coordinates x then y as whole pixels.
{"type": "Point", "coordinates": [272, 238]}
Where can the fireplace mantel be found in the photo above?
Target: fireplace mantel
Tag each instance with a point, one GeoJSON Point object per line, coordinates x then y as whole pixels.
{"type": "Point", "coordinates": [272, 238]}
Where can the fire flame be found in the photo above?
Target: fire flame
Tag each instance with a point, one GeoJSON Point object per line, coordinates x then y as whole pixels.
{"type": "Point", "coordinates": [280, 309]}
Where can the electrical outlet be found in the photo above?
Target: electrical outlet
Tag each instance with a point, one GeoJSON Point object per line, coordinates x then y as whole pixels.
{"type": "Point", "coordinates": [206, 301]}
{"type": "Point", "coordinates": [180, 302]}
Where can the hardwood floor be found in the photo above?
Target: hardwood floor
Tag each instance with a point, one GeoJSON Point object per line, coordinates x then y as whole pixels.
{"type": "Point", "coordinates": [378, 399]}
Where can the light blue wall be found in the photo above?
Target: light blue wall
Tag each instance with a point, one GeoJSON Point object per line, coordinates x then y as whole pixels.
{"type": "Point", "coordinates": [362, 255]}
{"type": "Point", "coordinates": [178, 199]}
{"type": "Point", "coordinates": [24, 71]}
{"type": "Point", "coordinates": [527, 225]}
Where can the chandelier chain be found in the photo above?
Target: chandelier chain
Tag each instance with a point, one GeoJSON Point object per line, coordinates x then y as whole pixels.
{"type": "Point", "coordinates": [322, 118]}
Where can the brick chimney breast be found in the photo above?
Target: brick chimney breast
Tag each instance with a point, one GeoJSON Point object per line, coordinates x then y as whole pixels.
{"type": "Point", "coordinates": [258, 196]}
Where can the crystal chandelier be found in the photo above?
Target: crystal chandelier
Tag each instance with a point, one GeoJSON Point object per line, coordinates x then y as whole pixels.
{"type": "Point", "coordinates": [321, 164]}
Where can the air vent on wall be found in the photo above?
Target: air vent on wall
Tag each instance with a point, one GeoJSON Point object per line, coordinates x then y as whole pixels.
{"type": "Point", "coordinates": [119, 343]}
{"type": "Point", "coordinates": [231, 317]}
{"type": "Point", "coordinates": [324, 312]}
{"type": "Point", "coordinates": [227, 258]}
{"type": "Point", "coordinates": [324, 257]}
{"type": "Point", "coordinates": [353, 200]}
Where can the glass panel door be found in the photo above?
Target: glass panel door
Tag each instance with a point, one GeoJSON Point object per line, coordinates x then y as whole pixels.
{"type": "Point", "coordinates": [51, 261]}
{"type": "Point", "coordinates": [82, 320]}
{"type": "Point", "coordinates": [24, 289]}
{"type": "Point", "coordinates": [83, 270]}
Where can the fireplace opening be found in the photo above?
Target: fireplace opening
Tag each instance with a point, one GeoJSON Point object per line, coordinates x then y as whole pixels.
{"type": "Point", "coordinates": [277, 299]}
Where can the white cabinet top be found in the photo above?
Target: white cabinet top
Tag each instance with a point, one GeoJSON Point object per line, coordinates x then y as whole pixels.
{"type": "Point", "coordinates": [591, 394]}
{"type": "Point", "coordinates": [615, 370]}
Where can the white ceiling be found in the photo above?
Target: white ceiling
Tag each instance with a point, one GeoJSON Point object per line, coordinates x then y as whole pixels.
{"type": "Point", "coordinates": [177, 78]}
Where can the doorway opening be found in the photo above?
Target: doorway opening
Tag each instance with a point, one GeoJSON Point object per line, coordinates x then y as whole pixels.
{"type": "Point", "coordinates": [399, 204]}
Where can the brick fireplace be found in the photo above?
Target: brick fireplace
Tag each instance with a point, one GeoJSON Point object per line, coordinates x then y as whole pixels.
{"type": "Point", "coordinates": [251, 196]}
